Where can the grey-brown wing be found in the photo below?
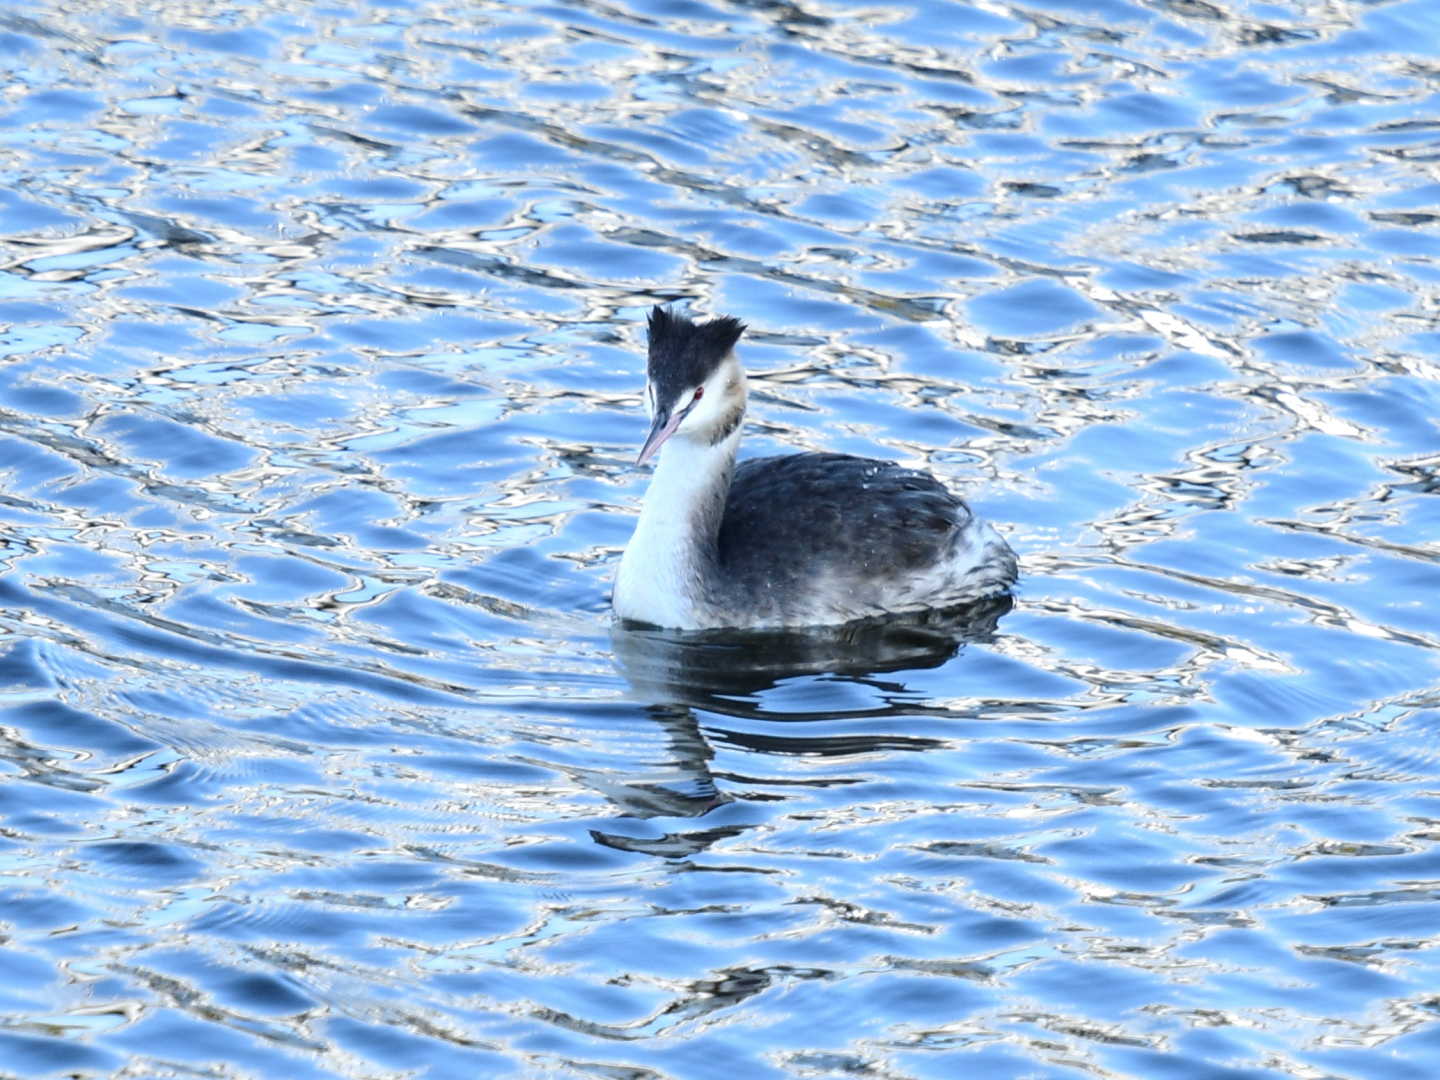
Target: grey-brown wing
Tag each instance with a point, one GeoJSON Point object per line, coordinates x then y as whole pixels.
{"type": "Point", "coordinates": [810, 515]}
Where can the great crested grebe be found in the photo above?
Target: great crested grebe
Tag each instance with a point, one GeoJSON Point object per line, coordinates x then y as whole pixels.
{"type": "Point", "coordinates": [791, 541]}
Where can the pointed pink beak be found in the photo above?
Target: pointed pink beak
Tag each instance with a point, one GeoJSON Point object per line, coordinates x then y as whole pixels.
{"type": "Point", "coordinates": [663, 427]}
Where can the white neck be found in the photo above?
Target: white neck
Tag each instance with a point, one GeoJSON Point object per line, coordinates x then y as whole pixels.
{"type": "Point", "coordinates": [663, 571]}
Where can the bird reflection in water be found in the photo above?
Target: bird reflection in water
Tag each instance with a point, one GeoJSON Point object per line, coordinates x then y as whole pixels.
{"type": "Point", "coordinates": [726, 672]}
{"type": "Point", "coordinates": [723, 670]}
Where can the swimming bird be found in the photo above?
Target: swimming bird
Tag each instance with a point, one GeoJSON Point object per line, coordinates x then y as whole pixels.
{"type": "Point", "coordinates": [791, 541]}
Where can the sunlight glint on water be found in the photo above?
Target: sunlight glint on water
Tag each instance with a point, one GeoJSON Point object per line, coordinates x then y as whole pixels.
{"type": "Point", "coordinates": [321, 348]}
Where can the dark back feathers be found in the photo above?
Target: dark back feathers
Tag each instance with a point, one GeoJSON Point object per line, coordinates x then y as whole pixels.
{"type": "Point", "coordinates": [799, 516]}
{"type": "Point", "coordinates": [683, 353]}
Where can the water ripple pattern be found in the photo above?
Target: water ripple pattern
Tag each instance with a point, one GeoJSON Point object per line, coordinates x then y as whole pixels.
{"type": "Point", "coordinates": [321, 350]}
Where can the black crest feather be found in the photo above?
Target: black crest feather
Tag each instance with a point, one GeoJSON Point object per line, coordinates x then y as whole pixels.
{"type": "Point", "coordinates": [684, 353]}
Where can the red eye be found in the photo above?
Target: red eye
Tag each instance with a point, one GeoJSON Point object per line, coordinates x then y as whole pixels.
{"type": "Point", "coordinates": [699, 393]}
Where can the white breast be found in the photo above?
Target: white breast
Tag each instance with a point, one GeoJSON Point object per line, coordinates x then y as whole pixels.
{"type": "Point", "coordinates": [662, 573]}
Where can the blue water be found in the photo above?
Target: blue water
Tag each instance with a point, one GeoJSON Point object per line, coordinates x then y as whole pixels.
{"type": "Point", "coordinates": [321, 350]}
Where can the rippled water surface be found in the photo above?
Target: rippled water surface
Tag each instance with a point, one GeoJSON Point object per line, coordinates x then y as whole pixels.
{"type": "Point", "coordinates": [322, 336]}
